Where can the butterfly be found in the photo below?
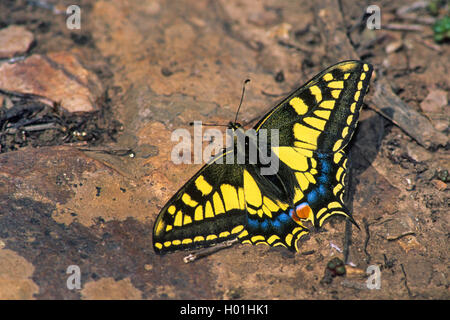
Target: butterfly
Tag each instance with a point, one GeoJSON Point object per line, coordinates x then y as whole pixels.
{"type": "Point", "coordinates": [225, 201]}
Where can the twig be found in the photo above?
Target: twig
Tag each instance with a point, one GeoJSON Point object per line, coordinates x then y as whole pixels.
{"type": "Point", "coordinates": [366, 241]}
{"type": "Point", "coordinates": [44, 5]}
{"type": "Point", "coordinates": [208, 251]}
{"type": "Point", "coordinates": [428, 44]}
{"type": "Point", "coordinates": [33, 127]}
{"type": "Point", "coordinates": [406, 280]}
{"type": "Point", "coordinates": [411, 7]}
{"type": "Point", "coordinates": [30, 96]}
{"type": "Point", "coordinates": [402, 27]}
{"type": "Point", "coordinates": [274, 95]}
{"type": "Point", "coordinates": [296, 46]}
{"type": "Point", "coordinates": [410, 233]}
{"type": "Point", "coordinates": [418, 19]}
{"type": "Point", "coordinates": [347, 239]}
{"type": "Point", "coordinates": [114, 152]}
{"type": "Point", "coordinates": [307, 253]}
{"type": "Point", "coordinates": [13, 59]}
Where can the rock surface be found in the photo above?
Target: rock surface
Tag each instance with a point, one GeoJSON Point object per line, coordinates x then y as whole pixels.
{"type": "Point", "coordinates": [58, 77]}
{"type": "Point", "coordinates": [164, 65]}
{"type": "Point", "coordinates": [14, 40]}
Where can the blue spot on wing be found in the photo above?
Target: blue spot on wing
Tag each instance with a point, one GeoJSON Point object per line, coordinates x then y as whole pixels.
{"type": "Point", "coordinates": [325, 166]}
{"type": "Point", "coordinates": [283, 218]}
{"type": "Point", "coordinates": [323, 179]}
{"type": "Point", "coordinates": [252, 223]}
{"type": "Point", "coordinates": [264, 225]}
{"type": "Point", "coordinates": [276, 224]}
{"type": "Point", "coordinates": [322, 190]}
{"type": "Point", "coordinates": [281, 223]}
{"type": "Point", "coordinates": [312, 196]}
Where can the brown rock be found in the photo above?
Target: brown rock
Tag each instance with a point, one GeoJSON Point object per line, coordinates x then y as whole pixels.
{"type": "Point", "coordinates": [56, 76]}
{"type": "Point", "coordinates": [76, 183]}
{"type": "Point", "coordinates": [14, 40]}
{"type": "Point", "coordinates": [435, 106]}
{"type": "Point", "coordinates": [15, 276]}
{"type": "Point", "coordinates": [353, 271]}
{"type": "Point", "coordinates": [417, 152]}
{"type": "Point", "coordinates": [440, 185]}
{"type": "Point", "coordinates": [409, 243]}
{"type": "Point", "coordinates": [394, 46]}
{"type": "Point", "coordinates": [109, 289]}
{"type": "Point", "coordinates": [394, 229]}
{"type": "Point", "coordinates": [435, 101]}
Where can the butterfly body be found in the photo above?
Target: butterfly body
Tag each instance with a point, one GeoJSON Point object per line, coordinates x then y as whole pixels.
{"type": "Point", "coordinates": [306, 135]}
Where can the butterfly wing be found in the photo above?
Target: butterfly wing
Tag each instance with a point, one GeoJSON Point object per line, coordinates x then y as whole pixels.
{"type": "Point", "coordinates": [208, 209]}
{"type": "Point", "coordinates": [315, 123]}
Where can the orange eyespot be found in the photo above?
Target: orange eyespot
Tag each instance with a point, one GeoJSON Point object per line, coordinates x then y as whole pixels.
{"type": "Point", "coordinates": [301, 212]}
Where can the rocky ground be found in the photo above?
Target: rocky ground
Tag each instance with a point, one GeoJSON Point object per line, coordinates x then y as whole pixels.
{"type": "Point", "coordinates": [87, 114]}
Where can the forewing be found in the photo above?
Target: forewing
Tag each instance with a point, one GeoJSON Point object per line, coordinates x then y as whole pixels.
{"type": "Point", "coordinates": [321, 116]}
{"type": "Point", "coordinates": [208, 209]}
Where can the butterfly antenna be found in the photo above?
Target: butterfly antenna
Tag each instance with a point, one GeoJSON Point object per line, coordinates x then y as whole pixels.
{"type": "Point", "coordinates": [209, 124]}
{"type": "Point", "coordinates": [242, 98]}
